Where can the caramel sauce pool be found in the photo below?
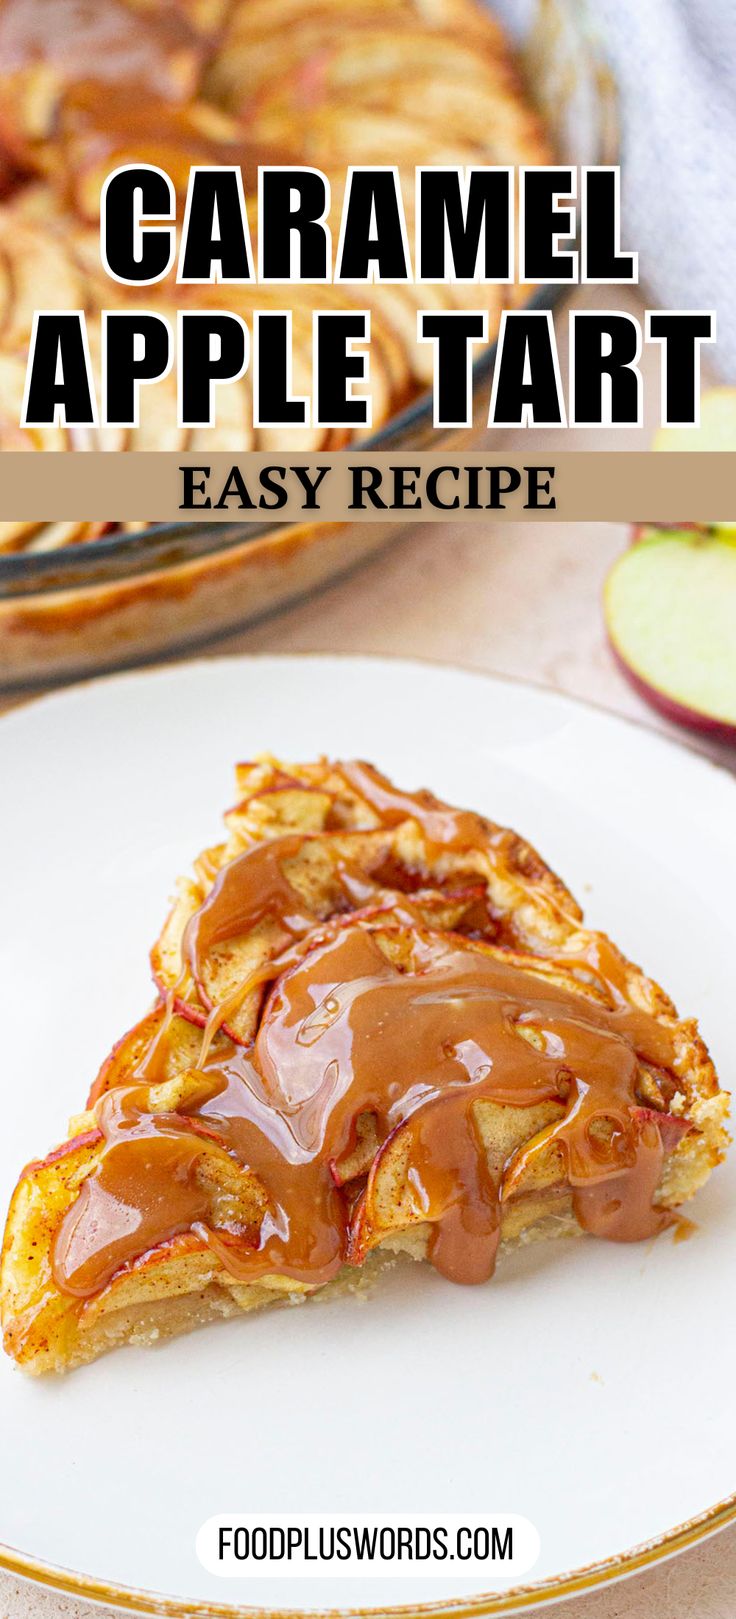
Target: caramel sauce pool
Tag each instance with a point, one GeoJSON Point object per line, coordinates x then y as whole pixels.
{"type": "Point", "coordinates": [416, 1039]}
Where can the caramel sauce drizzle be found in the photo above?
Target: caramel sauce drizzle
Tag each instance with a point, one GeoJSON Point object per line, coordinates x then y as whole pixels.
{"type": "Point", "coordinates": [417, 1039]}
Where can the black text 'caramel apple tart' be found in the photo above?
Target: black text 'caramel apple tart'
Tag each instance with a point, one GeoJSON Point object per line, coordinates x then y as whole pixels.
{"type": "Point", "coordinates": [87, 87]}
{"type": "Point", "coordinates": [381, 1026]}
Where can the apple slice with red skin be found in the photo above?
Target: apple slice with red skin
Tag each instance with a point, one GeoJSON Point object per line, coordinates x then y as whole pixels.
{"type": "Point", "coordinates": [41, 1321]}
{"type": "Point", "coordinates": [387, 1203]}
{"type": "Point", "coordinates": [120, 1065]}
{"type": "Point", "coordinates": [183, 1044]}
{"type": "Point", "coordinates": [166, 957]}
{"type": "Point", "coordinates": [279, 808]}
{"type": "Point", "coordinates": [35, 1315]}
{"type": "Point", "coordinates": [670, 611]}
{"type": "Point", "coordinates": [670, 616]}
{"type": "Point", "coordinates": [232, 975]}
{"type": "Point", "coordinates": [77, 1147]}
{"type": "Point", "coordinates": [220, 975]}
{"type": "Point", "coordinates": [672, 1128]}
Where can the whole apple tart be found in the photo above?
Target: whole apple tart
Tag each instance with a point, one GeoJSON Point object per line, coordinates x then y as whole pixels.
{"type": "Point", "coordinates": [177, 83]}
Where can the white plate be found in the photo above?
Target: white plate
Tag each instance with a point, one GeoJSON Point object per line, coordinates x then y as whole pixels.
{"type": "Point", "coordinates": [590, 1386]}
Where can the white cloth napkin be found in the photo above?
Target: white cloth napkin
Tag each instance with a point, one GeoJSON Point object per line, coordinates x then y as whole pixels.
{"type": "Point", "coordinates": [675, 65]}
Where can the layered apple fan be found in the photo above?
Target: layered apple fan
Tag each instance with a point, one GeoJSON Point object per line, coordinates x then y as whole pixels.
{"type": "Point", "coordinates": [327, 83]}
{"type": "Point", "coordinates": [381, 1026]}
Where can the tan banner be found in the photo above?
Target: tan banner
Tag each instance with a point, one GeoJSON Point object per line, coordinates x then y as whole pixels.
{"type": "Point", "coordinates": [360, 486]}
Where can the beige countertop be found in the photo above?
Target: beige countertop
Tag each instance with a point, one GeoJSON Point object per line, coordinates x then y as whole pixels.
{"type": "Point", "coordinates": [521, 600]}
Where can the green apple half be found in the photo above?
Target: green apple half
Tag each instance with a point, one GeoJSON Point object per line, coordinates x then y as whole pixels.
{"type": "Point", "coordinates": [670, 611]}
{"type": "Point", "coordinates": [717, 430]}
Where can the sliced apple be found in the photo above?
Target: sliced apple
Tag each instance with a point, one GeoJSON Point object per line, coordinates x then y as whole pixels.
{"type": "Point", "coordinates": [171, 973]}
{"type": "Point", "coordinates": [12, 436]}
{"type": "Point", "coordinates": [255, 775]}
{"type": "Point", "coordinates": [41, 1323]}
{"type": "Point", "coordinates": [717, 430]}
{"type": "Point", "coordinates": [275, 811]}
{"type": "Point", "coordinates": [671, 1127]}
{"type": "Point", "coordinates": [42, 275]}
{"type": "Point", "coordinates": [36, 1318]}
{"type": "Point", "coordinates": [55, 536]}
{"type": "Point", "coordinates": [232, 977]}
{"type": "Point", "coordinates": [13, 536]}
{"type": "Point", "coordinates": [124, 1064]}
{"type": "Point", "coordinates": [670, 611]}
{"type": "Point", "coordinates": [392, 1200]}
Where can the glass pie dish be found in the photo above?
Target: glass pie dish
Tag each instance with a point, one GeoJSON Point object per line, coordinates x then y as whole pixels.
{"type": "Point", "coordinates": [130, 597]}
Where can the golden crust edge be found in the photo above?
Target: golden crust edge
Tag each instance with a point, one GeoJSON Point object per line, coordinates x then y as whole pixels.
{"type": "Point", "coordinates": [218, 1297]}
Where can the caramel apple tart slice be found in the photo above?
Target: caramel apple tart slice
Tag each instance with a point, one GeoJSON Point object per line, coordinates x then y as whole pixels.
{"type": "Point", "coordinates": [381, 1027]}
